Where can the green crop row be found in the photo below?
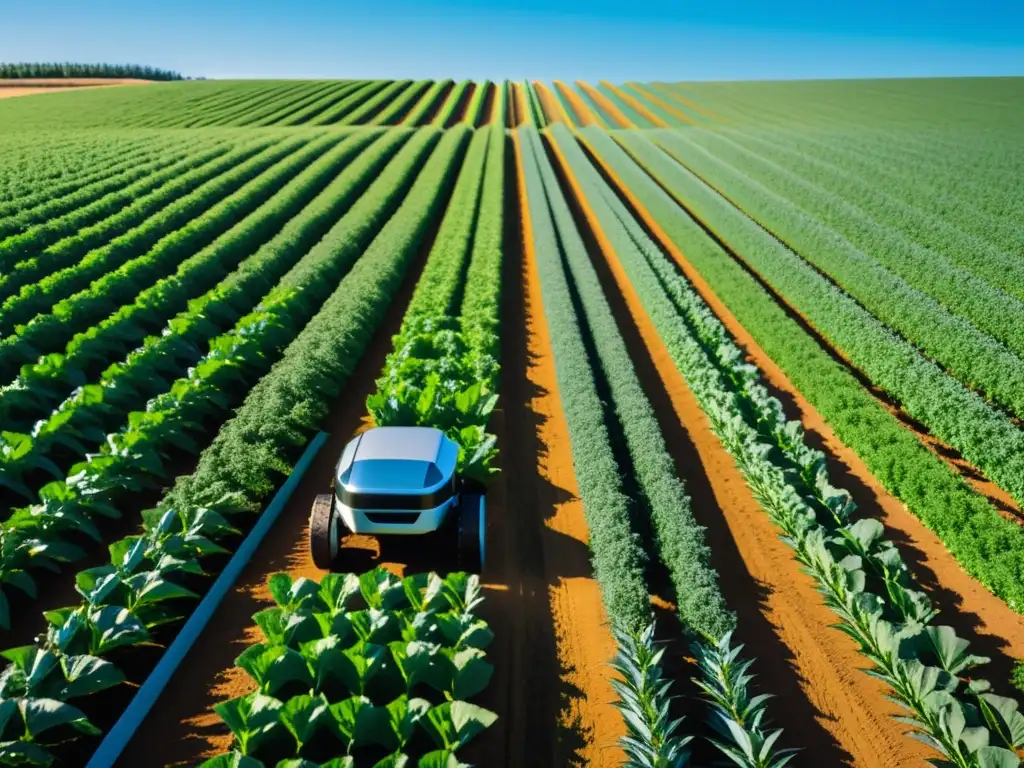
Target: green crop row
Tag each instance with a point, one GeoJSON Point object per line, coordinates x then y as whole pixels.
{"type": "Point", "coordinates": [293, 100]}
{"type": "Point", "coordinates": [41, 164]}
{"type": "Point", "coordinates": [618, 557]}
{"type": "Point", "coordinates": [133, 457]}
{"type": "Point", "coordinates": [988, 546]}
{"type": "Point", "coordinates": [322, 104]}
{"type": "Point", "coordinates": [985, 437]}
{"type": "Point", "coordinates": [353, 99]}
{"type": "Point", "coordinates": [24, 288]}
{"type": "Point", "coordinates": [366, 111]}
{"type": "Point", "coordinates": [83, 212]}
{"type": "Point", "coordinates": [401, 105]}
{"type": "Point", "coordinates": [949, 195]}
{"type": "Point", "coordinates": [451, 104]}
{"type": "Point", "coordinates": [425, 104]}
{"type": "Point", "coordinates": [929, 229]}
{"type": "Point", "coordinates": [94, 409]}
{"type": "Point", "coordinates": [370, 667]}
{"type": "Point", "coordinates": [149, 576]}
{"type": "Point", "coordinates": [476, 104]}
{"type": "Point", "coordinates": [434, 377]}
{"type": "Point", "coordinates": [860, 573]}
{"type": "Point", "coordinates": [42, 386]}
{"type": "Point", "coordinates": [230, 112]}
{"type": "Point", "coordinates": [44, 202]}
{"type": "Point", "coordinates": [154, 248]}
{"type": "Point", "coordinates": [946, 312]}
{"type": "Point", "coordinates": [679, 539]}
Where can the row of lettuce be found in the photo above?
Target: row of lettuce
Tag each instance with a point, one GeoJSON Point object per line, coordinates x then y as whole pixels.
{"type": "Point", "coordinates": [295, 363]}
{"type": "Point", "coordinates": [929, 669]}
{"type": "Point", "coordinates": [362, 669]}
{"type": "Point", "coordinates": [605, 404]}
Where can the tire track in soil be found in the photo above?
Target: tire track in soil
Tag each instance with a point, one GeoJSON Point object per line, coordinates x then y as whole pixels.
{"type": "Point", "coordinates": [828, 707]}
{"type": "Point", "coordinates": [993, 629]}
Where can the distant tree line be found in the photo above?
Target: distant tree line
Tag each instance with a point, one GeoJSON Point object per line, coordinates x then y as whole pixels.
{"type": "Point", "coordinates": [67, 69]}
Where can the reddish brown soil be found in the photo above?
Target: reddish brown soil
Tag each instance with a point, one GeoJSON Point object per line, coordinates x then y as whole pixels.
{"type": "Point", "coordinates": [664, 105]}
{"type": "Point", "coordinates": [27, 87]}
{"type": "Point", "coordinates": [552, 108]}
{"type": "Point", "coordinates": [583, 114]}
{"type": "Point", "coordinates": [987, 622]}
{"type": "Point", "coordinates": [609, 108]}
{"type": "Point", "coordinates": [550, 685]}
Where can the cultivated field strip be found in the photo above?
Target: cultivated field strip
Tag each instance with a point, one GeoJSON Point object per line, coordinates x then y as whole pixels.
{"type": "Point", "coordinates": [761, 369]}
{"type": "Point", "coordinates": [981, 433]}
{"type": "Point", "coordinates": [828, 517]}
{"type": "Point", "coordinates": [46, 256]}
{"type": "Point", "coordinates": [242, 353]}
{"type": "Point", "coordinates": [91, 165]}
{"type": "Point", "coordinates": [153, 249]}
{"type": "Point", "coordinates": [916, 292]}
{"type": "Point", "coordinates": [47, 205]}
{"type": "Point", "coordinates": [911, 219]}
{"type": "Point", "coordinates": [990, 547]}
{"type": "Point", "coordinates": [304, 210]}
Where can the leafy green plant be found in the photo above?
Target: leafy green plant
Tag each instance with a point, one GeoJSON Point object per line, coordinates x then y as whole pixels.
{"type": "Point", "coordinates": [327, 646]}
{"type": "Point", "coordinates": [651, 740]}
{"type": "Point", "coordinates": [438, 375]}
{"type": "Point", "coordinates": [737, 716]}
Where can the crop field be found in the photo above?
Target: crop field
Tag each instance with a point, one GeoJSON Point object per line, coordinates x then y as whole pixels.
{"type": "Point", "coordinates": [740, 366]}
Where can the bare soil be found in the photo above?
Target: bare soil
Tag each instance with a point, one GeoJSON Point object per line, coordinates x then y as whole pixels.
{"type": "Point", "coordinates": [583, 114]}
{"type": "Point", "coordinates": [27, 87]}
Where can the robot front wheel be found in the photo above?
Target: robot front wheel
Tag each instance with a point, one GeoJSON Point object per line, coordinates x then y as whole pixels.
{"type": "Point", "coordinates": [470, 529]}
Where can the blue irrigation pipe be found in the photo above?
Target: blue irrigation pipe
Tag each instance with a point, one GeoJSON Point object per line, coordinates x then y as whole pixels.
{"type": "Point", "coordinates": [117, 739]}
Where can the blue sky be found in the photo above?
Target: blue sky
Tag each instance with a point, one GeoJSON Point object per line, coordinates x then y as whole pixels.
{"type": "Point", "coordinates": [542, 39]}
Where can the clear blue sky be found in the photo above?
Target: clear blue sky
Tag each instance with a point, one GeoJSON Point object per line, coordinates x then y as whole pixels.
{"type": "Point", "coordinates": [543, 39]}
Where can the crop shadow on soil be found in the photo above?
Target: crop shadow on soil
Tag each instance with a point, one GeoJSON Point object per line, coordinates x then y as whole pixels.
{"type": "Point", "coordinates": [775, 667]}
{"type": "Point", "coordinates": [537, 691]}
